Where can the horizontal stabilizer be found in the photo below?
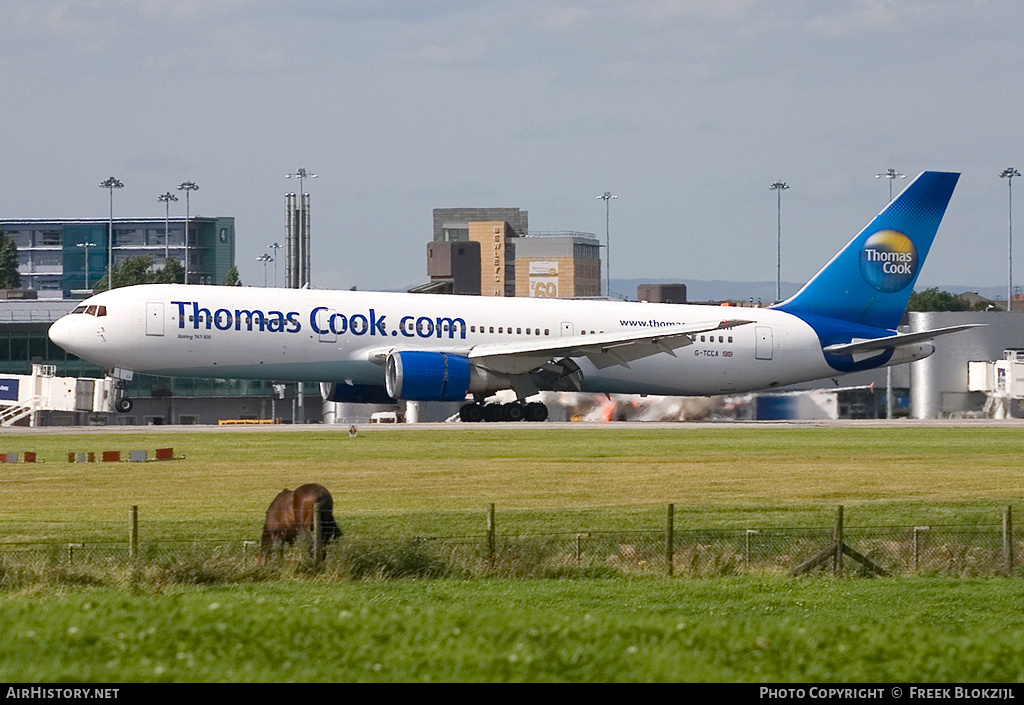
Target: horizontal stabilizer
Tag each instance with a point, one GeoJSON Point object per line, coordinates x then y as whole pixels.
{"type": "Point", "coordinates": [894, 341]}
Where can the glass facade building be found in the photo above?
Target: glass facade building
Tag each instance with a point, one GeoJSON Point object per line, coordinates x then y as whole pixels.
{"type": "Point", "coordinates": [64, 258]}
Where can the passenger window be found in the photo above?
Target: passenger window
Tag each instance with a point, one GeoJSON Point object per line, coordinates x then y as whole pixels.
{"type": "Point", "coordinates": [519, 331]}
{"type": "Point", "coordinates": [721, 339]}
{"type": "Point", "coordinates": [492, 329]}
{"type": "Point", "coordinates": [730, 338]}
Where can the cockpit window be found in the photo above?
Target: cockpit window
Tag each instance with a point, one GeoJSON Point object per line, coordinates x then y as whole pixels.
{"type": "Point", "coordinates": [91, 310]}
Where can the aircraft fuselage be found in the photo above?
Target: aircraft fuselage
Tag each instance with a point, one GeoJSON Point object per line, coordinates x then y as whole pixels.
{"type": "Point", "coordinates": [322, 335]}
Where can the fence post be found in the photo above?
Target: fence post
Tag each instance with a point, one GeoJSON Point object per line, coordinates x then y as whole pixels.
{"type": "Point", "coordinates": [919, 533]}
{"type": "Point", "coordinates": [580, 538]}
{"type": "Point", "coordinates": [670, 552]}
{"type": "Point", "coordinates": [490, 533]}
{"type": "Point", "coordinates": [317, 543]}
{"type": "Point", "coordinates": [71, 551]}
{"type": "Point", "coordinates": [1008, 540]}
{"type": "Point", "coordinates": [750, 532]}
{"type": "Point", "coordinates": [133, 532]}
{"type": "Point", "coordinates": [838, 560]}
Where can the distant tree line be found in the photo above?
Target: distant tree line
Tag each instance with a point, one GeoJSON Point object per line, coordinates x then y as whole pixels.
{"type": "Point", "coordinates": [935, 300]}
{"type": "Point", "coordinates": [139, 270]}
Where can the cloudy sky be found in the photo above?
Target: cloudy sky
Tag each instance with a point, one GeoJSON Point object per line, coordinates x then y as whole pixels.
{"type": "Point", "coordinates": [685, 109]}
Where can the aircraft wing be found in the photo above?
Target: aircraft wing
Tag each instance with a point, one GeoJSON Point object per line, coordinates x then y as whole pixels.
{"type": "Point", "coordinates": [894, 341]}
{"type": "Point", "coordinates": [602, 349]}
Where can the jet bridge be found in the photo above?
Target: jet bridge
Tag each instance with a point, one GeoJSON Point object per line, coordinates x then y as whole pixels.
{"type": "Point", "coordinates": [22, 396]}
{"type": "Point", "coordinates": [1001, 380]}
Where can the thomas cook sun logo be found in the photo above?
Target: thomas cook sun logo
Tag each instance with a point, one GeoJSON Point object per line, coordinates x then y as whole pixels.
{"type": "Point", "coordinates": [888, 261]}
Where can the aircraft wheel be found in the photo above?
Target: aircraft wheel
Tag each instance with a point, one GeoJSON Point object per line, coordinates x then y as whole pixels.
{"type": "Point", "coordinates": [124, 405]}
{"type": "Point", "coordinates": [471, 413]}
{"type": "Point", "coordinates": [513, 412]}
{"type": "Point", "coordinates": [492, 412]}
{"type": "Point", "coordinates": [536, 411]}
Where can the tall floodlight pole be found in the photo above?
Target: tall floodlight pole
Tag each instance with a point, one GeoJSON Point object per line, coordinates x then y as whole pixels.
{"type": "Point", "coordinates": [301, 175]}
{"type": "Point", "coordinates": [299, 266]}
{"type": "Point", "coordinates": [779, 187]}
{"type": "Point", "coordinates": [166, 200]}
{"type": "Point", "coordinates": [607, 196]}
{"type": "Point", "coordinates": [275, 247]}
{"type": "Point", "coordinates": [264, 258]}
{"type": "Point", "coordinates": [188, 187]}
{"type": "Point", "coordinates": [1008, 174]}
{"type": "Point", "coordinates": [87, 245]}
{"type": "Point", "coordinates": [302, 257]}
{"type": "Point", "coordinates": [111, 184]}
{"type": "Point", "coordinates": [890, 174]}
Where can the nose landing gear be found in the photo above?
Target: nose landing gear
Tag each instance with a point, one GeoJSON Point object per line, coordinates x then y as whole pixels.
{"type": "Point", "coordinates": [121, 401]}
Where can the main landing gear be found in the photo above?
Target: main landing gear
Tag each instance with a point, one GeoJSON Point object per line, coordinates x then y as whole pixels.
{"type": "Point", "coordinates": [513, 411]}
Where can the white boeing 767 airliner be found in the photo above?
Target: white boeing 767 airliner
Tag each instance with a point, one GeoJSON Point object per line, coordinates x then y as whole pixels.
{"type": "Point", "coordinates": [377, 347]}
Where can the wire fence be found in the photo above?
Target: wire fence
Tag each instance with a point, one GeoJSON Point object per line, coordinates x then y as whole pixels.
{"type": "Point", "coordinates": [965, 551]}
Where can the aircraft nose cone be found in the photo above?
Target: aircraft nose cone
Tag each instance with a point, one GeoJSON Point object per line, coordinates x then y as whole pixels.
{"type": "Point", "coordinates": [60, 332]}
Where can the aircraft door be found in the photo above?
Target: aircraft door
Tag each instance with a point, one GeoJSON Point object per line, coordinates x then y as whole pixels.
{"type": "Point", "coordinates": [154, 318]}
{"type": "Point", "coordinates": [323, 323]}
{"type": "Point", "coordinates": [763, 343]}
{"type": "Point", "coordinates": [567, 328]}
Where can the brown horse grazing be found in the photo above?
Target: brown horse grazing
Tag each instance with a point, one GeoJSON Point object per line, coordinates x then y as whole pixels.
{"type": "Point", "coordinates": [291, 514]}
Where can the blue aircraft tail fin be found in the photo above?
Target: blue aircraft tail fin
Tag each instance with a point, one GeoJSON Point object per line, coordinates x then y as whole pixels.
{"type": "Point", "coordinates": [870, 281]}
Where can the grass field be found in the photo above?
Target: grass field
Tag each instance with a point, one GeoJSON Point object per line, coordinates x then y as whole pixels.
{"type": "Point", "coordinates": [721, 630]}
{"type": "Point", "coordinates": [411, 482]}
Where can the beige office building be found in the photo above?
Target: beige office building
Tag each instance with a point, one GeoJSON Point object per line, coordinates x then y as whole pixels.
{"type": "Point", "coordinates": [497, 258]}
{"type": "Point", "coordinates": [512, 261]}
{"type": "Point", "coordinates": [558, 265]}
